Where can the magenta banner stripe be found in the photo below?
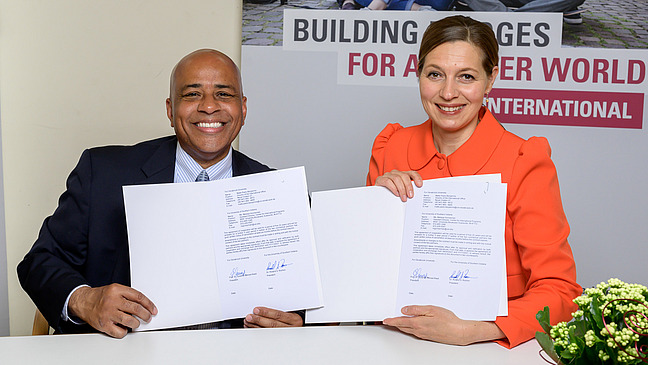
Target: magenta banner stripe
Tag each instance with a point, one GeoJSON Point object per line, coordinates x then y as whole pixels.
{"type": "Point", "coordinates": [569, 108]}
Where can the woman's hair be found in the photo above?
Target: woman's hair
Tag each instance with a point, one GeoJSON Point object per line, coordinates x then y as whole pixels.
{"type": "Point", "coordinates": [460, 28]}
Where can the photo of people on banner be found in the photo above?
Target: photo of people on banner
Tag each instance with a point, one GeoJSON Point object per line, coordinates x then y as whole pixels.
{"type": "Point", "coordinates": [588, 23]}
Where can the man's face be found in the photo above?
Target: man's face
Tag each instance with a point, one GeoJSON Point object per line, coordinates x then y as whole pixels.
{"type": "Point", "coordinates": [206, 106]}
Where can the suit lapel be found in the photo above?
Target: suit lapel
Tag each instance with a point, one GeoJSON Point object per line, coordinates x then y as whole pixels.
{"type": "Point", "coordinates": [239, 165]}
{"type": "Point", "coordinates": [160, 167]}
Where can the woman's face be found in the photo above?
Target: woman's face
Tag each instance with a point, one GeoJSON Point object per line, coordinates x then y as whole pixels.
{"type": "Point", "coordinates": [452, 85]}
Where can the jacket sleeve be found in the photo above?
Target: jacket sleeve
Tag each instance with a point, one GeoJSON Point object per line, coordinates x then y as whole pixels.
{"type": "Point", "coordinates": [539, 230]}
{"type": "Point", "coordinates": [52, 268]}
{"type": "Point", "coordinates": [376, 164]}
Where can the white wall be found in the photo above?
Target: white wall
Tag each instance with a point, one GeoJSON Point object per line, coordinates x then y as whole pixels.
{"type": "Point", "coordinates": [76, 74]}
{"type": "Point", "coordinates": [4, 295]}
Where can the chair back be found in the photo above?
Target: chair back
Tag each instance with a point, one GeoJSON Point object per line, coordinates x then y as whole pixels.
{"type": "Point", "coordinates": [40, 327]}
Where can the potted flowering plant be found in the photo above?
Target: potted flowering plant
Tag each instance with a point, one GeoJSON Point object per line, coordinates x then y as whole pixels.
{"type": "Point", "coordinates": [609, 327]}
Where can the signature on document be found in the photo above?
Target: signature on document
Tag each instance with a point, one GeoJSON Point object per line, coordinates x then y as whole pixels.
{"type": "Point", "coordinates": [237, 273]}
{"type": "Point", "coordinates": [277, 264]}
{"type": "Point", "coordinates": [461, 275]}
{"type": "Point", "coordinates": [418, 273]}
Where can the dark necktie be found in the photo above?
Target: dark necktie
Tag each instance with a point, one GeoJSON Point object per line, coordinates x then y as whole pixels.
{"type": "Point", "coordinates": [203, 176]}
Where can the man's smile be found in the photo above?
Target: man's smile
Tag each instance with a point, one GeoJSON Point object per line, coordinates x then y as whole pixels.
{"type": "Point", "coordinates": [209, 124]}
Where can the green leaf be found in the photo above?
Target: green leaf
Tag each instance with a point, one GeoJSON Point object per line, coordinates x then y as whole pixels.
{"type": "Point", "coordinates": [547, 345]}
{"type": "Point", "coordinates": [580, 328]}
{"type": "Point", "coordinates": [595, 309]}
{"type": "Point", "coordinates": [575, 339]}
{"type": "Point", "coordinates": [543, 318]}
{"type": "Point", "coordinates": [567, 355]}
{"type": "Point", "coordinates": [582, 361]}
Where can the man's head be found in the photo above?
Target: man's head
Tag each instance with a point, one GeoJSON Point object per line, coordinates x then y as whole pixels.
{"type": "Point", "coordinates": [206, 105]}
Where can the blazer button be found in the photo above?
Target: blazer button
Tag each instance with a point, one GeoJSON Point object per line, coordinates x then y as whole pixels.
{"type": "Point", "coordinates": [441, 164]}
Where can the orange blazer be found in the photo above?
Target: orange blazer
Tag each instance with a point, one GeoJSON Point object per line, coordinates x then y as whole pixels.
{"type": "Point", "coordinates": [539, 262]}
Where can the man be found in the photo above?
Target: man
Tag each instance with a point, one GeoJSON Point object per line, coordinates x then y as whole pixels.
{"type": "Point", "coordinates": [77, 273]}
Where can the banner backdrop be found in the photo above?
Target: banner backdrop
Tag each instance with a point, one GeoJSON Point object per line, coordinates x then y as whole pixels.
{"type": "Point", "coordinates": [539, 83]}
{"type": "Point", "coordinates": [342, 76]}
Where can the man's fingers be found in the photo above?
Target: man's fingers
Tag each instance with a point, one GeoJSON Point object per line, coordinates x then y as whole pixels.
{"type": "Point", "coordinates": [122, 302]}
{"type": "Point", "coordinates": [267, 317]}
{"type": "Point", "coordinates": [141, 299]}
{"type": "Point", "coordinates": [116, 331]}
{"type": "Point", "coordinates": [127, 320]}
{"type": "Point", "coordinates": [281, 316]}
{"type": "Point", "coordinates": [112, 309]}
{"type": "Point", "coordinates": [109, 323]}
{"type": "Point", "coordinates": [268, 313]}
{"type": "Point", "coordinates": [253, 320]}
{"type": "Point", "coordinates": [135, 309]}
{"type": "Point", "coordinates": [247, 324]}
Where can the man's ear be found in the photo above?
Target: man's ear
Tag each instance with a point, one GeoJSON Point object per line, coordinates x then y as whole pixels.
{"type": "Point", "coordinates": [244, 110]}
{"type": "Point", "coordinates": [169, 110]}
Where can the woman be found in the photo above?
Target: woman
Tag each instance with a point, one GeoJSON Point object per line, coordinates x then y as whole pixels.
{"type": "Point", "coordinates": [457, 67]}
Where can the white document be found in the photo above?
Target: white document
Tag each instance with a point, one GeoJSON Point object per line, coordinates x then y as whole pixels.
{"type": "Point", "coordinates": [444, 247]}
{"type": "Point", "coordinates": [358, 233]}
{"type": "Point", "coordinates": [210, 251]}
{"type": "Point", "coordinates": [453, 248]}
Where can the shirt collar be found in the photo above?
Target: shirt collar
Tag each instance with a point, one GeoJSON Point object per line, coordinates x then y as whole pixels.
{"type": "Point", "coordinates": [187, 169]}
{"type": "Point", "coordinates": [468, 159]}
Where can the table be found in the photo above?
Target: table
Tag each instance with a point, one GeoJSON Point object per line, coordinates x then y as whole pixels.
{"type": "Point", "coordinates": [305, 345]}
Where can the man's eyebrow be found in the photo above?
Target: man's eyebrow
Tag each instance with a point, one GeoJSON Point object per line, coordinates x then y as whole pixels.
{"type": "Point", "coordinates": [191, 86]}
{"type": "Point", "coordinates": [216, 86]}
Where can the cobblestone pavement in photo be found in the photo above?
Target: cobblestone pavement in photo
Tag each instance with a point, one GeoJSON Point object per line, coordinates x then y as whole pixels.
{"type": "Point", "coordinates": [606, 23]}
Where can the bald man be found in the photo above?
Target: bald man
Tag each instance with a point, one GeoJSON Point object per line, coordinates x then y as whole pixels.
{"type": "Point", "coordinates": [78, 272]}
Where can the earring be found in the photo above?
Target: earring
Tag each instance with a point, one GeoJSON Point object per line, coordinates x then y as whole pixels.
{"type": "Point", "coordinates": [485, 100]}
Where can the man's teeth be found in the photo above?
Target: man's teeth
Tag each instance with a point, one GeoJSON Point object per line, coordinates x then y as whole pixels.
{"type": "Point", "coordinates": [210, 125]}
{"type": "Point", "coordinates": [450, 108]}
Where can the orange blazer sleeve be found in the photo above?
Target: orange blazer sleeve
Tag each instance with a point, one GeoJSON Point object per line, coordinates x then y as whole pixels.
{"type": "Point", "coordinates": [544, 263]}
{"type": "Point", "coordinates": [376, 164]}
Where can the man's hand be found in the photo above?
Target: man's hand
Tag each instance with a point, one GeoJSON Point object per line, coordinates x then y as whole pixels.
{"type": "Point", "coordinates": [266, 317]}
{"type": "Point", "coordinates": [441, 325]}
{"type": "Point", "coordinates": [400, 183]}
{"type": "Point", "coordinates": [111, 309]}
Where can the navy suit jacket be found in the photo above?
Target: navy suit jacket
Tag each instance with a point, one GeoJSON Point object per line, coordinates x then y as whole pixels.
{"type": "Point", "coordinates": [85, 240]}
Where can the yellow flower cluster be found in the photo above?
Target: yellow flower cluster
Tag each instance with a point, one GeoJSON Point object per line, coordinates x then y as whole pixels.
{"type": "Point", "coordinates": [626, 356]}
{"type": "Point", "coordinates": [611, 323]}
{"type": "Point", "coordinates": [590, 338]}
{"type": "Point", "coordinates": [620, 338]}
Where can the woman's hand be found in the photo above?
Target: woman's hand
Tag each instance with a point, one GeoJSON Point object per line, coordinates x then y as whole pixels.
{"type": "Point", "coordinates": [441, 325]}
{"type": "Point", "coordinates": [400, 182]}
